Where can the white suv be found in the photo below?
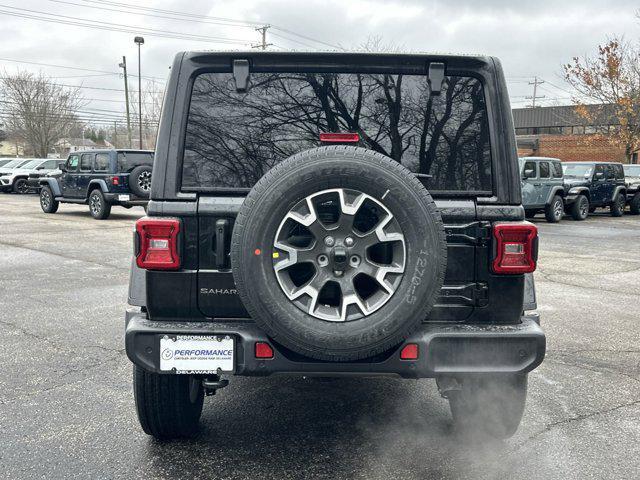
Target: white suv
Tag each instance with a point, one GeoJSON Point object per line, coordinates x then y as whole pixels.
{"type": "Point", "coordinates": [16, 178]}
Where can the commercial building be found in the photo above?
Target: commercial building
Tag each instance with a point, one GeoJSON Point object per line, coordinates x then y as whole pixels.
{"type": "Point", "coordinates": [561, 133]}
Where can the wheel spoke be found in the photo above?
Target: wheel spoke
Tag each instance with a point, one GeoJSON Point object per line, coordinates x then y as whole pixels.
{"type": "Point", "coordinates": [294, 255]}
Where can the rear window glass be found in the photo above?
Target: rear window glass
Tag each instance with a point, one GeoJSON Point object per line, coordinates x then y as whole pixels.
{"type": "Point", "coordinates": [573, 170]}
{"type": "Point", "coordinates": [102, 162]}
{"type": "Point", "coordinates": [130, 160]}
{"type": "Point", "coordinates": [233, 139]}
{"type": "Point", "coordinates": [632, 170]}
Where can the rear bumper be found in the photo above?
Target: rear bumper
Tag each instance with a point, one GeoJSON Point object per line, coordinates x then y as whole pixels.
{"type": "Point", "coordinates": [444, 350]}
{"type": "Point", "coordinates": [114, 198]}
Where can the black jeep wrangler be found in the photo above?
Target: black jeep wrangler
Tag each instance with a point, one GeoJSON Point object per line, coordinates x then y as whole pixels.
{"type": "Point", "coordinates": [333, 214]}
{"type": "Point", "coordinates": [591, 185]}
{"type": "Point", "coordinates": [101, 179]}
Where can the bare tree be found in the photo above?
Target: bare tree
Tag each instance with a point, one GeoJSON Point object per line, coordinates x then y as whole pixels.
{"type": "Point", "coordinates": [38, 110]}
{"type": "Point", "coordinates": [152, 98]}
{"type": "Point", "coordinates": [610, 78]}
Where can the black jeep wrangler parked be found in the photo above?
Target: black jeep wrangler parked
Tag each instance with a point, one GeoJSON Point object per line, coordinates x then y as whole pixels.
{"type": "Point", "coordinates": [334, 214]}
{"type": "Point", "coordinates": [591, 185]}
{"type": "Point", "coordinates": [101, 179]}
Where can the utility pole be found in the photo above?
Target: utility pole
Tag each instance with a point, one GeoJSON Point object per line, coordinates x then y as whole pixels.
{"type": "Point", "coordinates": [535, 96]}
{"type": "Point", "coordinates": [123, 65]}
{"type": "Point", "coordinates": [263, 45]}
{"type": "Point", "coordinates": [115, 134]}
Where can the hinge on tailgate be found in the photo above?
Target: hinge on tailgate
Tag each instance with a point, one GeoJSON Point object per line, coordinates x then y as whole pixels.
{"type": "Point", "coordinates": [436, 77]}
{"type": "Point", "coordinates": [241, 75]}
{"type": "Point", "coordinates": [471, 294]}
{"type": "Point", "coordinates": [481, 294]}
{"type": "Point", "coordinates": [475, 233]}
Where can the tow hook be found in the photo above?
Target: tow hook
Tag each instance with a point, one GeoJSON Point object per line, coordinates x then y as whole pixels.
{"type": "Point", "coordinates": [210, 385]}
{"type": "Point", "coordinates": [447, 385]}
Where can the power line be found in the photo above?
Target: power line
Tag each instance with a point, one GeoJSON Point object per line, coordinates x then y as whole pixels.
{"type": "Point", "coordinates": [101, 25]}
{"type": "Point", "coordinates": [173, 12]}
{"type": "Point", "coordinates": [83, 87]}
{"type": "Point", "coordinates": [198, 18]}
{"type": "Point", "coordinates": [154, 15]}
{"type": "Point", "coordinates": [104, 72]}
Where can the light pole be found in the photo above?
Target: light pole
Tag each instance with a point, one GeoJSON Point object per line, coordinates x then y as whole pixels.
{"type": "Point", "coordinates": [123, 65]}
{"type": "Point", "coordinates": [139, 41]}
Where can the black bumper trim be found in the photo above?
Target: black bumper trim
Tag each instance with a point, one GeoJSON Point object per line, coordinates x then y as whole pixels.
{"type": "Point", "coordinates": [133, 199]}
{"type": "Point", "coordinates": [444, 349]}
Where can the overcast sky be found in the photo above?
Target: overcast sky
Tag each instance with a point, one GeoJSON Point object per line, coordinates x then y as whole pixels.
{"type": "Point", "coordinates": [531, 38]}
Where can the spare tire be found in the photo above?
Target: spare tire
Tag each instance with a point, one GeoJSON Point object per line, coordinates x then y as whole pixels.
{"type": "Point", "coordinates": [338, 253]}
{"type": "Point", "coordinates": [140, 180]}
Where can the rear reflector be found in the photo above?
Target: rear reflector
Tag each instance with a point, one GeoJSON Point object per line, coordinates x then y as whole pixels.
{"type": "Point", "coordinates": [158, 243]}
{"type": "Point", "coordinates": [339, 137]}
{"type": "Point", "coordinates": [409, 352]}
{"type": "Point", "coordinates": [516, 247]}
{"type": "Point", "coordinates": [263, 350]}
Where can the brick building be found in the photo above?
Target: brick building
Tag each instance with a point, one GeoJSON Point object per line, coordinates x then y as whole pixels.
{"type": "Point", "coordinates": [560, 132]}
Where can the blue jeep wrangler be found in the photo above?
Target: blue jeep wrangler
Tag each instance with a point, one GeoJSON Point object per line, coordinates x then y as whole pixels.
{"type": "Point", "coordinates": [542, 187]}
{"type": "Point", "coordinates": [591, 185]}
{"type": "Point", "coordinates": [101, 179]}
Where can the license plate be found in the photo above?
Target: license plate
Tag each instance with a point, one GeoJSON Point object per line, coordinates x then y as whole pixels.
{"type": "Point", "coordinates": [123, 198]}
{"type": "Point", "coordinates": [197, 354]}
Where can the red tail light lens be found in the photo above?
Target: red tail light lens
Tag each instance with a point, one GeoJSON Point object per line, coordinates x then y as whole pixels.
{"type": "Point", "coordinates": [115, 180]}
{"type": "Point", "coordinates": [516, 247]}
{"type": "Point", "coordinates": [158, 243]}
{"type": "Point", "coordinates": [264, 350]}
{"type": "Point", "coordinates": [339, 137]}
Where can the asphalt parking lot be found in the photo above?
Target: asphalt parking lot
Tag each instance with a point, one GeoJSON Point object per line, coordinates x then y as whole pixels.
{"type": "Point", "coordinates": [66, 405]}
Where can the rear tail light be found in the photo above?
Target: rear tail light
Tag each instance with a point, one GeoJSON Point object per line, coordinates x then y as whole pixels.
{"type": "Point", "coordinates": [516, 247]}
{"type": "Point", "coordinates": [115, 180]}
{"type": "Point", "coordinates": [339, 137]}
{"type": "Point", "coordinates": [263, 350]}
{"type": "Point", "coordinates": [157, 247]}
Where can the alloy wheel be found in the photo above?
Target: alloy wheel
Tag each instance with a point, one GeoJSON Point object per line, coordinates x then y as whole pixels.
{"type": "Point", "coordinates": [584, 207]}
{"type": "Point", "coordinates": [22, 186]}
{"type": "Point", "coordinates": [95, 204]}
{"type": "Point", "coordinates": [144, 181]}
{"type": "Point", "coordinates": [339, 255]}
{"type": "Point", "coordinates": [558, 209]}
{"type": "Point", "coordinates": [45, 199]}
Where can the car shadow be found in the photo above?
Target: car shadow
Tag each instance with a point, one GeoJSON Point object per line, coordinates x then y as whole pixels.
{"type": "Point", "coordinates": [133, 213]}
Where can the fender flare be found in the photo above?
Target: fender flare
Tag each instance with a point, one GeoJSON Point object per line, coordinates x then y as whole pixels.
{"type": "Point", "coordinates": [619, 189]}
{"type": "Point", "coordinates": [53, 185]}
{"type": "Point", "coordinates": [557, 190]}
{"type": "Point", "coordinates": [582, 190]}
{"type": "Point", "coordinates": [100, 183]}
